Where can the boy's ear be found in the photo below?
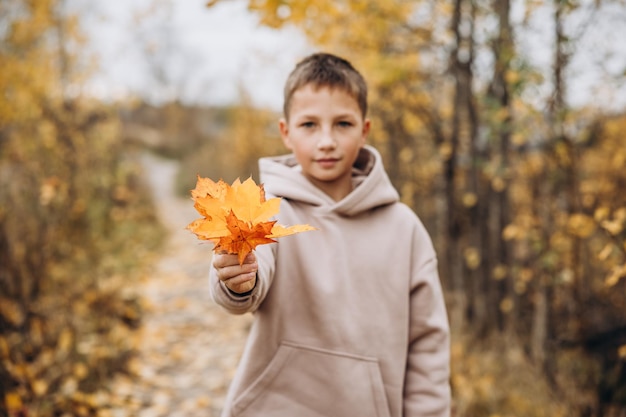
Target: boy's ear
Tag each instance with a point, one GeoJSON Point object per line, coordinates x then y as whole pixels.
{"type": "Point", "coordinates": [283, 126]}
{"type": "Point", "coordinates": [366, 130]}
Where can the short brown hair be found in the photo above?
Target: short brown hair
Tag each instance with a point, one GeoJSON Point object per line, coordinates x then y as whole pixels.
{"type": "Point", "coordinates": [326, 70]}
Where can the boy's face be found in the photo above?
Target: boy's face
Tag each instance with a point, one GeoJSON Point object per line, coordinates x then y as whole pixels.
{"type": "Point", "coordinates": [325, 131]}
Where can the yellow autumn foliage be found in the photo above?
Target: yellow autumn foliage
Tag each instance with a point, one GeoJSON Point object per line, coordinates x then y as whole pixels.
{"type": "Point", "coordinates": [71, 215]}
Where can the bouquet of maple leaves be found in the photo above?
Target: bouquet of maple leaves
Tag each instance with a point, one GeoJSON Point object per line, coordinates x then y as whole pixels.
{"type": "Point", "coordinates": [236, 218]}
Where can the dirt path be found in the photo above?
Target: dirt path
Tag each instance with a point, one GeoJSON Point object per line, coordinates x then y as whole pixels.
{"type": "Point", "coordinates": [188, 347]}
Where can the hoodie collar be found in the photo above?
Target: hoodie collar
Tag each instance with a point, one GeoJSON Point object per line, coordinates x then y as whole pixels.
{"type": "Point", "coordinates": [282, 177]}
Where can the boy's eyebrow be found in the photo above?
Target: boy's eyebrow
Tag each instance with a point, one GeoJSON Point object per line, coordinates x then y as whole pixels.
{"type": "Point", "coordinates": [347, 114]}
{"type": "Point", "coordinates": [315, 117]}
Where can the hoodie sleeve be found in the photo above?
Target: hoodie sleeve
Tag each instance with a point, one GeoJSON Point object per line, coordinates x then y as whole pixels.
{"type": "Point", "coordinates": [249, 303]}
{"type": "Point", "coordinates": [427, 386]}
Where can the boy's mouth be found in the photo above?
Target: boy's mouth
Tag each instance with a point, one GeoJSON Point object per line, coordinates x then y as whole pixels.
{"type": "Point", "coordinates": [327, 162]}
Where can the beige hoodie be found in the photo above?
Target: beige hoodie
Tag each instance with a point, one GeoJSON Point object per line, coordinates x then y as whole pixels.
{"type": "Point", "coordinates": [350, 319]}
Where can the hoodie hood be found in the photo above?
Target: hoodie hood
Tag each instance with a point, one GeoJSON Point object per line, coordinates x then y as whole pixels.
{"type": "Point", "coordinates": [282, 177]}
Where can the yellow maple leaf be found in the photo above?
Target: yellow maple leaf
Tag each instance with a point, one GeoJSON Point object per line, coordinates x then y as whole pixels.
{"type": "Point", "coordinates": [236, 218]}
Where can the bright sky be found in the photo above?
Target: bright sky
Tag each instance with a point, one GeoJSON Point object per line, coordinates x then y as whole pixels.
{"type": "Point", "coordinates": [207, 55]}
{"type": "Point", "coordinates": [204, 54]}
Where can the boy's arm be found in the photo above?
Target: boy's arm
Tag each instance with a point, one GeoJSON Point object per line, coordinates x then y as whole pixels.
{"type": "Point", "coordinates": [427, 386]}
{"type": "Point", "coordinates": [249, 301]}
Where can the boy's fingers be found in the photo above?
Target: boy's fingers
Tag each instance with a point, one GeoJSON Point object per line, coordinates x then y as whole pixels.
{"type": "Point", "coordinates": [242, 283]}
{"type": "Point", "coordinates": [234, 270]}
{"type": "Point", "coordinates": [230, 271]}
{"type": "Point", "coordinates": [223, 260]}
{"type": "Point", "coordinates": [240, 279]}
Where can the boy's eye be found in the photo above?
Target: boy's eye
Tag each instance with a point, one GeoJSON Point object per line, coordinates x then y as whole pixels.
{"type": "Point", "coordinates": [307, 125]}
{"type": "Point", "coordinates": [344, 123]}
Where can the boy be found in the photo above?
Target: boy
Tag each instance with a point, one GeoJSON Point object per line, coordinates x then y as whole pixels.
{"type": "Point", "coordinates": [349, 319]}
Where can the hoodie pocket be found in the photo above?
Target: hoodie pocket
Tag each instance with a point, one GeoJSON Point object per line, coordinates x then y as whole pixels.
{"type": "Point", "coordinates": [309, 382]}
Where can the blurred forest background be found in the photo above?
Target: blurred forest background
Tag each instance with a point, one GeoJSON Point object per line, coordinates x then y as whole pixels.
{"type": "Point", "coordinates": [523, 191]}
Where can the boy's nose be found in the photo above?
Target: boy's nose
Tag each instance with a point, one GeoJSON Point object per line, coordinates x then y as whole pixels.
{"type": "Point", "coordinates": [326, 140]}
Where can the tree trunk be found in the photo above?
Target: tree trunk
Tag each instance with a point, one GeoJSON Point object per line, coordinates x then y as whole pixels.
{"type": "Point", "coordinates": [503, 50]}
{"type": "Point", "coordinates": [463, 127]}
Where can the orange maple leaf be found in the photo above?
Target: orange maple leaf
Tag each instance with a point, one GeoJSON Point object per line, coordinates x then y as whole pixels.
{"type": "Point", "coordinates": [243, 237]}
{"type": "Point", "coordinates": [236, 218]}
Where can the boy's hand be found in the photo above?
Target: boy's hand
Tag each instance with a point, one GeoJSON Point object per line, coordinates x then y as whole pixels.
{"type": "Point", "coordinates": [237, 278]}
